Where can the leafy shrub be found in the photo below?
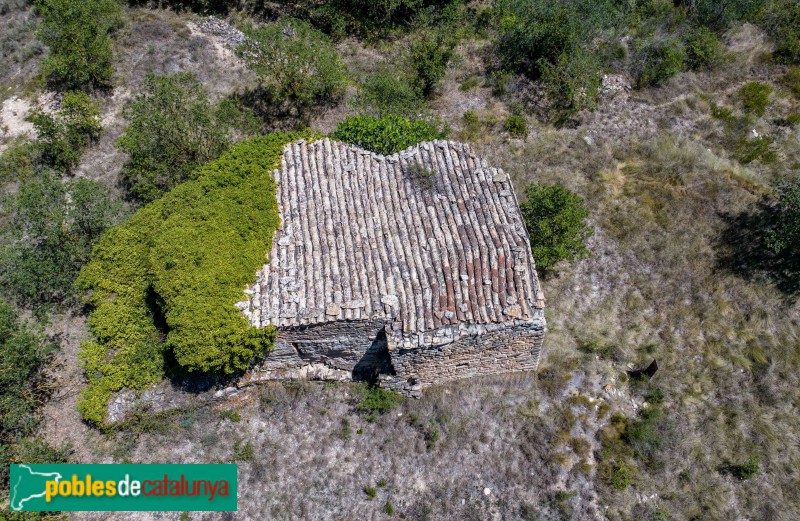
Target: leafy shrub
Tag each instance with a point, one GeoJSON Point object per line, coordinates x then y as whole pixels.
{"type": "Point", "coordinates": [782, 23]}
{"type": "Point", "coordinates": [556, 221]}
{"type": "Point", "coordinates": [619, 475]}
{"type": "Point", "coordinates": [746, 470]}
{"type": "Point", "coordinates": [377, 18]}
{"type": "Point", "coordinates": [659, 61]}
{"type": "Point", "coordinates": [785, 238]}
{"type": "Point", "coordinates": [645, 435]}
{"type": "Point", "coordinates": [535, 33]}
{"type": "Point", "coordinates": [756, 149]}
{"type": "Point", "coordinates": [792, 80]}
{"type": "Point", "coordinates": [243, 451]}
{"type": "Point", "coordinates": [718, 15]}
{"type": "Point", "coordinates": [755, 96]}
{"type": "Point", "coordinates": [23, 356]}
{"type": "Point", "coordinates": [20, 161]}
{"type": "Point", "coordinates": [386, 135]}
{"type": "Point", "coordinates": [295, 63]}
{"type": "Point", "coordinates": [387, 93]}
{"type": "Point", "coordinates": [431, 51]}
{"type": "Point", "coordinates": [572, 83]}
{"type": "Point", "coordinates": [704, 50]}
{"type": "Point", "coordinates": [173, 130]}
{"type": "Point", "coordinates": [166, 281]}
{"type": "Point", "coordinates": [61, 137]}
{"type": "Point", "coordinates": [77, 35]}
{"type": "Point", "coordinates": [53, 227]}
{"type": "Point", "coordinates": [516, 125]}
{"type": "Point", "coordinates": [375, 400]}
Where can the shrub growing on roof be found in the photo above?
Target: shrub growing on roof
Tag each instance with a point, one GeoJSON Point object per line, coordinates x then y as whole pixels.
{"type": "Point", "coordinates": [387, 135]}
{"type": "Point", "coordinates": [167, 281]}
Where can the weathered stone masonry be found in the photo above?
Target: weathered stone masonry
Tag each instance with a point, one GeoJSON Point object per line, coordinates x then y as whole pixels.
{"type": "Point", "coordinates": [409, 269]}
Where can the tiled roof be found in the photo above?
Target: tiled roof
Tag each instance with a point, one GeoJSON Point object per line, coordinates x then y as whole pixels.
{"type": "Point", "coordinates": [430, 239]}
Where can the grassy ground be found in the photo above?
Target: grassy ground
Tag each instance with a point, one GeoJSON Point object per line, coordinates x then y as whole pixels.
{"type": "Point", "coordinates": [666, 281]}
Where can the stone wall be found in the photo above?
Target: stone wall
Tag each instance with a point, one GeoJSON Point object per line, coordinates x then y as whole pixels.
{"type": "Point", "coordinates": [341, 350]}
{"type": "Point", "coordinates": [499, 351]}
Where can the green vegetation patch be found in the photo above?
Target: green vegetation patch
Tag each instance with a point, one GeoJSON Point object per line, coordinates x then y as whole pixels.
{"type": "Point", "coordinates": [387, 135]}
{"type": "Point", "coordinates": [166, 281]}
{"type": "Point", "coordinates": [78, 37]}
{"type": "Point", "coordinates": [556, 221]}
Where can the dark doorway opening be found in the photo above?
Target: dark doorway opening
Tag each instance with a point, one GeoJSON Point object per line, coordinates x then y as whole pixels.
{"type": "Point", "coordinates": [375, 362]}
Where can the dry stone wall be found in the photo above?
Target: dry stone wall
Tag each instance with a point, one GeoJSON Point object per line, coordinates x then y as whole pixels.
{"type": "Point", "coordinates": [498, 351]}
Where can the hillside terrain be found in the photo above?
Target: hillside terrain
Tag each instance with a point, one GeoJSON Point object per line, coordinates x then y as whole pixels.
{"type": "Point", "coordinates": [677, 124]}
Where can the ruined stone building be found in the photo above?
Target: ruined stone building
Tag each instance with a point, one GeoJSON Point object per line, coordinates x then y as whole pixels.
{"type": "Point", "coordinates": [410, 269]}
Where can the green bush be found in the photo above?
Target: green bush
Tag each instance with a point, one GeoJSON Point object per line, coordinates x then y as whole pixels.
{"type": "Point", "coordinates": [53, 227]}
{"type": "Point", "coordinates": [386, 93]}
{"type": "Point", "coordinates": [755, 96]}
{"type": "Point", "coordinates": [296, 64]}
{"type": "Point", "coordinates": [19, 162]}
{"type": "Point", "coordinates": [792, 80]}
{"type": "Point", "coordinates": [61, 137]}
{"type": "Point", "coordinates": [375, 400]}
{"type": "Point", "coordinates": [785, 238]}
{"type": "Point", "coordinates": [173, 129]}
{"type": "Point", "coordinates": [431, 51]}
{"type": "Point", "coordinates": [166, 282]}
{"type": "Point", "coordinates": [572, 83]}
{"type": "Point", "coordinates": [23, 355]}
{"type": "Point", "coordinates": [372, 19]}
{"type": "Point", "coordinates": [782, 23]}
{"type": "Point", "coordinates": [746, 470]}
{"type": "Point", "coordinates": [533, 33]}
{"type": "Point", "coordinates": [370, 492]}
{"type": "Point", "coordinates": [659, 61]}
{"type": "Point", "coordinates": [386, 135]}
{"type": "Point", "coordinates": [556, 221]}
{"type": "Point", "coordinates": [704, 50]}
{"type": "Point", "coordinates": [23, 389]}
{"type": "Point", "coordinates": [77, 35]}
{"type": "Point", "coordinates": [516, 125]}
{"type": "Point", "coordinates": [537, 32]}
{"type": "Point", "coordinates": [756, 149]}
{"type": "Point", "coordinates": [721, 15]}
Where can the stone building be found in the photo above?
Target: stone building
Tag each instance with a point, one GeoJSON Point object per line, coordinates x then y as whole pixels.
{"type": "Point", "coordinates": [409, 269]}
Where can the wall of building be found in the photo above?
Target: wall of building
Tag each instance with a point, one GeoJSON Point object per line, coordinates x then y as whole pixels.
{"type": "Point", "coordinates": [341, 350]}
{"type": "Point", "coordinates": [498, 351]}
{"type": "Point", "coordinates": [357, 350]}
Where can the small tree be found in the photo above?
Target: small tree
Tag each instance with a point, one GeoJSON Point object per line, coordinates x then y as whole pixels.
{"type": "Point", "coordinates": [431, 52]}
{"type": "Point", "coordinates": [659, 61]}
{"type": "Point", "coordinates": [53, 226]}
{"type": "Point", "coordinates": [556, 221]}
{"type": "Point", "coordinates": [61, 137]}
{"type": "Point", "coordinates": [572, 83]}
{"type": "Point", "coordinates": [295, 63]}
{"type": "Point", "coordinates": [77, 34]}
{"type": "Point", "coordinates": [173, 130]}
